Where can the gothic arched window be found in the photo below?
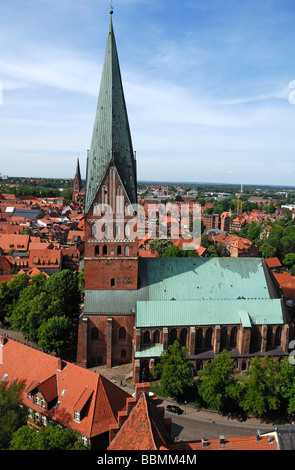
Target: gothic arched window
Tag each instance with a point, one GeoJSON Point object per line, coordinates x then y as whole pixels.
{"type": "Point", "coordinates": [146, 337]}
{"type": "Point", "coordinates": [182, 337]}
{"type": "Point", "coordinates": [156, 337]}
{"type": "Point", "coordinates": [94, 334]}
{"type": "Point", "coordinates": [122, 333]}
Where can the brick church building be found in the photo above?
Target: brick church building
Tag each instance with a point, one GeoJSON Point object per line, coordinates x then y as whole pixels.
{"type": "Point", "coordinates": [135, 307]}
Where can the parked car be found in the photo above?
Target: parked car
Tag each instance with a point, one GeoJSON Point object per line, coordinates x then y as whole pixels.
{"type": "Point", "coordinates": [174, 409]}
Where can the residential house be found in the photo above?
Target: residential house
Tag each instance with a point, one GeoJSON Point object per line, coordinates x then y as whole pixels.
{"type": "Point", "coordinates": [60, 393]}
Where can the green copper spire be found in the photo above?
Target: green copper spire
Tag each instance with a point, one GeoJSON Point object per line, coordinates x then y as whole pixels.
{"type": "Point", "coordinates": [111, 139]}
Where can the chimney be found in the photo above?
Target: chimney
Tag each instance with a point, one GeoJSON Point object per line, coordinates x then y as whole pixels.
{"type": "Point", "coordinates": [204, 442]}
{"type": "Point", "coordinates": [60, 364]}
{"type": "Point", "coordinates": [221, 440]}
{"type": "Point", "coordinates": [3, 340]}
{"type": "Point", "coordinates": [141, 387]}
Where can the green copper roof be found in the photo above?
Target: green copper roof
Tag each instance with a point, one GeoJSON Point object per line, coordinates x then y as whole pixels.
{"type": "Point", "coordinates": [188, 279]}
{"type": "Point", "coordinates": [206, 279]}
{"type": "Point", "coordinates": [209, 312]}
{"type": "Point", "coordinates": [152, 350]}
{"type": "Point", "coordinates": [111, 139]}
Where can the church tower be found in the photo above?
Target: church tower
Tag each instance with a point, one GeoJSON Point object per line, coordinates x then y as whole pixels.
{"type": "Point", "coordinates": [106, 325]}
{"type": "Point", "coordinates": [77, 183]}
{"type": "Point", "coordinates": [111, 187]}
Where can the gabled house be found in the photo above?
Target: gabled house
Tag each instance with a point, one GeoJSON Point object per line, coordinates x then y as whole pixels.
{"type": "Point", "coordinates": [144, 427]}
{"type": "Point", "coordinates": [14, 243]}
{"type": "Point", "coordinates": [61, 393]}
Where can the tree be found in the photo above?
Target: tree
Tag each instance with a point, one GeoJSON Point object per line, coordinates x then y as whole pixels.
{"type": "Point", "coordinates": [286, 380]}
{"type": "Point", "coordinates": [21, 308]}
{"type": "Point", "coordinates": [81, 281]}
{"type": "Point", "coordinates": [46, 438]}
{"type": "Point", "coordinates": [218, 388]}
{"type": "Point", "coordinates": [175, 371]}
{"type": "Point", "coordinates": [175, 252]}
{"type": "Point", "coordinates": [289, 259]}
{"type": "Point", "coordinates": [5, 299]}
{"type": "Point", "coordinates": [261, 394]}
{"type": "Point", "coordinates": [57, 334]}
{"type": "Point", "coordinates": [41, 308]}
{"type": "Point", "coordinates": [160, 245]}
{"type": "Point", "coordinates": [254, 231]}
{"type": "Point", "coordinates": [64, 286]}
{"type": "Point", "coordinates": [12, 414]}
{"type": "Point", "coordinates": [267, 250]}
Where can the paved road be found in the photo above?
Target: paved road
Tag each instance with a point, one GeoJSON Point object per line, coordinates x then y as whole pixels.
{"type": "Point", "coordinates": [186, 428]}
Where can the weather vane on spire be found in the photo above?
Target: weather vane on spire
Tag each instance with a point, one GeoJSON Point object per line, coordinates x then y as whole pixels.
{"type": "Point", "coordinates": [112, 10]}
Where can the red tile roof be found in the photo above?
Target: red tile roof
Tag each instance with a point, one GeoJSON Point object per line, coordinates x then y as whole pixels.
{"type": "Point", "coordinates": [231, 443]}
{"type": "Point", "coordinates": [37, 369]}
{"type": "Point", "coordinates": [143, 429]}
{"type": "Point", "coordinates": [273, 262]}
{"type": "Point", "coordinates": [16, 242]}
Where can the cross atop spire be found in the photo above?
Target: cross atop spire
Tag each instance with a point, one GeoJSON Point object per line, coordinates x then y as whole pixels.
{"type": "Point", "coordinates": [111, 139]}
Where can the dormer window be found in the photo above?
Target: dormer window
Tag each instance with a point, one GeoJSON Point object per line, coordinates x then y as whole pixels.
{"type": "Point", "coordinates": [77, 416]}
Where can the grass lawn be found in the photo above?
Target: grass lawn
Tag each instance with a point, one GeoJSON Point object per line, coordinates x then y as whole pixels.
{"type": "Point", "coordinates": [155, 387]}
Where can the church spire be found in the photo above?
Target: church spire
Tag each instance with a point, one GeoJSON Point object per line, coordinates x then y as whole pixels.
{"type": "Point", "coordinates": [78, 172]}
{"type": "Point", "coordinates": [111, 138]}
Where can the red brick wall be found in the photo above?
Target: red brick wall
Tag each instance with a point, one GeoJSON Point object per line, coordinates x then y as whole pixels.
{"type": "Point", "coordinates": [99, 274]}
{"type": "Point", "coordinates": [112, 269]}
{"type": "Point", "coordinates": [97, 349]}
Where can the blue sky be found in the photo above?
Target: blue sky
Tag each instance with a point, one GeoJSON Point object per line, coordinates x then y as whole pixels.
{"type": "Point", "coordinates": [206, 85]}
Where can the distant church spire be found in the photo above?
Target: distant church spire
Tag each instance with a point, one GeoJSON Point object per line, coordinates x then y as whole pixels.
{"type": "Point", "coordinates": [111, 138]}
{"type": "Point", "coordinates": [78, 172]}
{"type": "Point", "coordinates": [77, 182]}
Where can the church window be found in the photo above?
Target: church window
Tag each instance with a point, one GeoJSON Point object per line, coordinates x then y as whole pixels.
{"type": "Point", "coordinates": [156, 337]}
{"type": "Point", "coordinates": [119, 250]}
{"type": "Point", "coordinates": [122, 333]}
{"type": "Point", "coordinates": [208, 339]}
{"type": "Point", "coordinates": [172, 336]}
{"type": "Point", "coordinates": [104, 230]}
{"type": "Point", "coordinates": [94, 230]}
{"type": "Point", "coordinates": [269, 337]}
{"type": "Point", "coordinates": [94, 334]}
{"type": "Point", "coordinates": [278, 336]}
{"type": "Point", "coordinates": [146, 337]}
{"type": "Point", "coordinates": [104, 250]}
{"type": "Point", "coordinates": [233, 337]}
{"type": "Point", "coordinates": [182, 337]}
{"type": "Point", "coordinates": [117, 230]}
{"type": "Point", "coordinates": [112, 282]}
{"type": "Point", "coordinates": [127, 230]}
{"type": "Point", "coordinates": [96, 250]}
{"type": "Point", "coordinates": [223, 337]}
{"type": "Point", "coordinates": [120, 201]}
{"type": "Point", "coordinates": [199, 338]}
{"type": "Point", "coordinates": [255, 341]}
{"type": "Point", "coordinates": [126, 250]}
